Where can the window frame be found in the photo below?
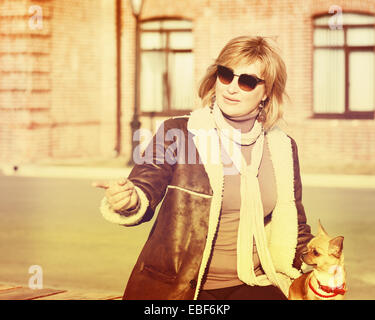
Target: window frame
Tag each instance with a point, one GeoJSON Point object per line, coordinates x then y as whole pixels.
{"type": "Point", "coordinates": [168, 111]}
{"type": "Point", "coordinates": [347, 114]}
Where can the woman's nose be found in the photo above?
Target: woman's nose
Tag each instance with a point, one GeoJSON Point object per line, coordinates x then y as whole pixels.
{"type": "Point", "coordinates": [233, 86]}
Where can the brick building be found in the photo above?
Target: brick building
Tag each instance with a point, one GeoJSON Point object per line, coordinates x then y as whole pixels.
{"type": "Point", "coordinates": [67, 84]}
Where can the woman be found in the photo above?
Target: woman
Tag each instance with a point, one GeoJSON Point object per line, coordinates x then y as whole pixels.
{"type": "Point", "coordinates": [230, 223]}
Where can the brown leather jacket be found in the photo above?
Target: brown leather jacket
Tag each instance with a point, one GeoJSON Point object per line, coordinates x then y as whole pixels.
{"type": "Point", "coordinates": [170, 264]}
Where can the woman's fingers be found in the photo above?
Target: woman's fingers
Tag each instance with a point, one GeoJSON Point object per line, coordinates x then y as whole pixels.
{"type": "Point", "coordinates": [98, 184]}
{"type": "Point", "coordinates": [113, 199]}
{"type": "Point", "coordinates": [121, 205]}
{"type": "Point", "coordinates": [127, 184]}
{"type": "Point", "coordinates": [122, 181]}
{"type": "Point", "coordinates": [120, 193]}
{"type": "Point", "coordinates": [115, 188]}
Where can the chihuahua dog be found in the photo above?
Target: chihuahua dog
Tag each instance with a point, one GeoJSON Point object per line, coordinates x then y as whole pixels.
{"type": "Point", "coordinates": [327, 279]}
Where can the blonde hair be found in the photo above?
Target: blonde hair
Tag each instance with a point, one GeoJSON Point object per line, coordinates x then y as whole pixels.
{"type": "Point", "coordinates": [248, 49]}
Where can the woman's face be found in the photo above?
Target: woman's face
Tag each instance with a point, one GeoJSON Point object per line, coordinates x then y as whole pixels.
{"type": "Point", "coordinates": [232, 100]}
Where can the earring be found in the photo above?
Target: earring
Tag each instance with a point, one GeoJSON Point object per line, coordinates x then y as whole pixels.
{"type": "Point", "coordinates": [262, 112]}
{"type": "Point", "coordinates": [213, 99]}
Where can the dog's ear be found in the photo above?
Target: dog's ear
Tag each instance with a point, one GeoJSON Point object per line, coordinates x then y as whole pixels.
{"type": "Point", "coordinates": [335, 246]}
{"type": "Point", "coordinates": [321, 229]}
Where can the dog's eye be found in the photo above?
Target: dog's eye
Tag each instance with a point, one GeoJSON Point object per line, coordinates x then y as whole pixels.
{"type": "Point", "coordinates": [316, 253]}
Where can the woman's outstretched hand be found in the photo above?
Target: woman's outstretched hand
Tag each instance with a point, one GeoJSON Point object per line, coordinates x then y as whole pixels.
{"type": "Point", "coordinates": [120, 194]}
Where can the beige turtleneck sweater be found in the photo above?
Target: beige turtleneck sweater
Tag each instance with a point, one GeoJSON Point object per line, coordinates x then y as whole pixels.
{"type": "Point", "coordinates": [222, 270]}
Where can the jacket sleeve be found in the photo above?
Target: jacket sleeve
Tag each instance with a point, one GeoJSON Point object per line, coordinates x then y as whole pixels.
{"type": "Point", "coordinates": [304, 230]}
{"type": "Point", "coordinates": [150, 176]}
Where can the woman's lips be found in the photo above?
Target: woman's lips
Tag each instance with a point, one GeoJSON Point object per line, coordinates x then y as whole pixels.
{"type": "Point", "coordinates": [231, 100]}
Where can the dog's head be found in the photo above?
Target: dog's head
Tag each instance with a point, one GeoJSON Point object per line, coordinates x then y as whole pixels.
{"type": "Point", "coordinates": [323, 252]}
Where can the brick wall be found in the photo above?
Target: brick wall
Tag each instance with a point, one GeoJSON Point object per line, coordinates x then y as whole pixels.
{"type": "Point", "coordinates": [339, 145]}
{"type": "Point", "coordinates": [70, 66]}
{"type": "Point", "coordinates": [83, 78]}
{"type": "Point", "coordinates": [58, 82]}
{"type": "Point", "coordinates": [127, 80]}
{"type": "Point", "coordinates": [25, 87]}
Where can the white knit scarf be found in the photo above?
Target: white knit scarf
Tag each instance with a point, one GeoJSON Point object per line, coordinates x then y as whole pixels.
{"type": "Point", "coordinates": [251, 225]}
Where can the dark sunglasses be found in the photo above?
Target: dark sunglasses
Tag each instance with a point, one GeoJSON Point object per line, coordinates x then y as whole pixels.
{"type": "Point", "coordinates": [246, 82]}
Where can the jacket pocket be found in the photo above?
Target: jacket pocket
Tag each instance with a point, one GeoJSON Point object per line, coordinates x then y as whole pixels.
{"type": "Point", "coordinates": [158, 275]}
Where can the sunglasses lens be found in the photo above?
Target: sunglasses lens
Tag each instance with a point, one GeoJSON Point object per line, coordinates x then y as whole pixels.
{"type": "Point", "coordinates": [247, 82]}
{"type": "Point", "coordinates": [225, 75]}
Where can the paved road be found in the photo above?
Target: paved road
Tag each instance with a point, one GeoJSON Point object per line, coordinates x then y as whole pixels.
{"type": "Point", "coordinates": [55, 223]}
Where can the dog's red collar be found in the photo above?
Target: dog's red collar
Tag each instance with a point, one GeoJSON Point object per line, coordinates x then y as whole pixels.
{"type": "Point", "coordinates": [336, 290]}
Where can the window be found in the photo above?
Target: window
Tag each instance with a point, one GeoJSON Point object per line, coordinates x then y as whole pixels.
{"type": "Point", "coordinates": [344, 67]}
{"type": "Point", "coordinates": [166, 66]}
